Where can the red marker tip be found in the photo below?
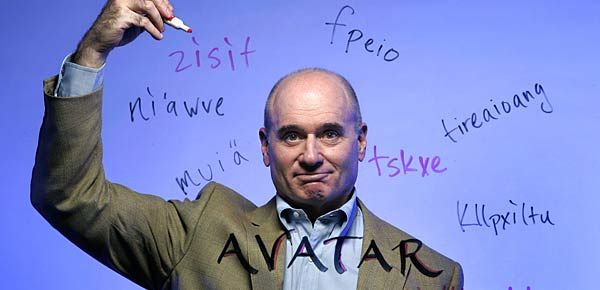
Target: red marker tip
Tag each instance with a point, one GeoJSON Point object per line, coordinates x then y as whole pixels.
{"type": "Point", "coordinates": [189, 30]}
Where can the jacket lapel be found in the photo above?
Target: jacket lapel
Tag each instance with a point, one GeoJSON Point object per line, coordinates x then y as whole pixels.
{"type": "Point", "coordinates": [265, 223]}
{"type": "Point", "coordinates": [371, 274]}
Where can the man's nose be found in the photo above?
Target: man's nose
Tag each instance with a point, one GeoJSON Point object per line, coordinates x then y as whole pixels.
{"type": "Point", "coordinates": [311, 158]}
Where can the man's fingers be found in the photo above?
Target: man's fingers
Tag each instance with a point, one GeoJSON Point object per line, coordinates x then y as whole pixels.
{"type": "Point", "coordinates": [165, 8]}
{"type": "Point", "coordinates": [144, 22]}
{"type": "Point", "coordinates": [147, 8]}
{"type": "Point", "coordinates": [154, 15]}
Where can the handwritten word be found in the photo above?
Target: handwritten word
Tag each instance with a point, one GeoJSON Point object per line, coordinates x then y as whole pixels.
{"type": "Point", "coordinates": [501, 220]}
{"type": "Point", "coordinates": [305, 250]}
{"type": "Point", "coordinates": [166, 106]}
{"type": "Point", "coordinates": [355, 35]}
{"type": "Point", "coordinates": [392, 168]}
{"type": "Point", "coordinates": [212, 55]}
{"type": "Point", "coordinates": [208, 174]}
{"type": "Point", "coordinates": [518, 101]}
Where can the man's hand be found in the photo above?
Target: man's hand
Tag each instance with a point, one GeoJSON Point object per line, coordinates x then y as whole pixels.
{"type": "Point", "coordinates": [119, 23]}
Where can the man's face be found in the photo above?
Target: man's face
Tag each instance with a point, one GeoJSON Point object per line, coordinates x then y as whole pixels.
{"type": "Point", "coordinates": [312, 145]}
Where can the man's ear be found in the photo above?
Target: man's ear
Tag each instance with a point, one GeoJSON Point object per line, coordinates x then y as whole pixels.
{"type": "Point", "coordinates": [264, 146]}
{"type": "Point", "coordinates": [362, 141]}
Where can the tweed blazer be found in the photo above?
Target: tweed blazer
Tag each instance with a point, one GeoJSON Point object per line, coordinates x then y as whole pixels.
{"type": "Point", "coordinates": [176, 244]}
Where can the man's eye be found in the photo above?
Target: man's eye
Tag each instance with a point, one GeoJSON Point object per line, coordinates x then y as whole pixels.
{"type": "Point", "coordinates": [331, 135]}
{"type": "Point", "coordinates": [291, 137]}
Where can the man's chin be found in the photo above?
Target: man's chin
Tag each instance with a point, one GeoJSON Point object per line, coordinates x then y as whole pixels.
{"type": "Point", "coordinates": [307, 196]}
{"type": "Point", "coordinates": [314, 191]}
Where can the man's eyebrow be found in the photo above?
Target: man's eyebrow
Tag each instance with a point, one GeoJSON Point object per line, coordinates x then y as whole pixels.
{"type": "Point", "coordinates": [332, 126]}
{"type": "Point", "coordinates": [287, 128]}
{"type": "Point", "coordinates": [324, 127]}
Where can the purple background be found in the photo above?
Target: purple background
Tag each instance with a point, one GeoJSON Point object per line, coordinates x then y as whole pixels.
{"type": "Point", "coordinates": [454, 56]}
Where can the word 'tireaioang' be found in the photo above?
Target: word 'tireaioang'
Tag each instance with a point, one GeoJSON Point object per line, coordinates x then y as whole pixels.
{"type": "Point", "coordinates": [504, 107]}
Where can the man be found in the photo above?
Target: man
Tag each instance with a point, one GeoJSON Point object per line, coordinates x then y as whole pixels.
{"type": "Point", "coordinates": [312, 140]}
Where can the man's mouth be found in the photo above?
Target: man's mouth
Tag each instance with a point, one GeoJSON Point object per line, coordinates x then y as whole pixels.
{"type": "Point", "coordinates": [311, 177]}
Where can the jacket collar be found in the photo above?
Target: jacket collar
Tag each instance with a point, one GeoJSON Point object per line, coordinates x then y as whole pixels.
{"type": "Point", "coordinates": [371, 275]}
{"type": "Point", "coordinates": [265, 222]}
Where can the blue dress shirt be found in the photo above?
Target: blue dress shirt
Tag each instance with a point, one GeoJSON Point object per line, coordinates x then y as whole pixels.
{"type": "Point", "coordinates": [304, 273]}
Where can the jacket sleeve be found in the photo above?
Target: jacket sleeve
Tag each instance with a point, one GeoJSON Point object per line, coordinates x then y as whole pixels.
{"type": "Point", "coordinates": [140, 236]}
{"type": "Point", "coordinates": [457, 282]}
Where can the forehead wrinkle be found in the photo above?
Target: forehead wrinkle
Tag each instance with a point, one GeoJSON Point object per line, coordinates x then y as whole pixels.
{"type": "Point", "coordinates": [312, 101]}
{"type": "Point", "coordinates": [309, 116]}
{"type": "Point", "coordinates": [311, 84]}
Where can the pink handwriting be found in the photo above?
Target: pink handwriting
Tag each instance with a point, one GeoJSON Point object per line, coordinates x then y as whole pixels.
{"type": "Point", "coordinates": [227, 54]}
{"type": "Point", "coordinates": [406, 163]}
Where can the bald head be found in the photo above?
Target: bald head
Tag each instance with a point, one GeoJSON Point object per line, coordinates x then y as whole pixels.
{"type": "Point", "coordinates": [310, 77]}
{"type": "Point", "coordinates": [313, 140]}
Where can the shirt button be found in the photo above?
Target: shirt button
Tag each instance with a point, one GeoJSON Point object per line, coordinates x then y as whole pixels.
{"type": "Point", "coordinates": [296, 214]}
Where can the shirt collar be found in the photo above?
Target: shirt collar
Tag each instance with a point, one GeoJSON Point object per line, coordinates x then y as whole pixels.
{"type": "Point", "coordinates": [347, 211]}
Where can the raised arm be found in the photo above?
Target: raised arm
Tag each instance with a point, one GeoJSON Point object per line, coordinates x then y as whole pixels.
{"type": "Point", "coordinates": [139, 236]}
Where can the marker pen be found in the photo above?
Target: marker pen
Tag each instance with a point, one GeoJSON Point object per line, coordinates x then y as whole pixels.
{"type": "Point", "coordinates": [178, 24]}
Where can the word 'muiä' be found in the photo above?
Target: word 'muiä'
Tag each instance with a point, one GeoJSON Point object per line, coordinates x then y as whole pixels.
{"type": "Point", "coordinates": [305, 250]}
{"type": "Point", "coordinates": [146, 109]}
{"type": "Point", "coordinates": [354, 35]}
{"type": "Point", "coordinates": [213, 58]}
{"type": "Point", "coordinates": [516, 215]}
{"type": "Point", "coordinates": [503, 108]}
{"type": "Point", "coordinates": [206, 174]}
{"type": "Point", "coordinates": [406, 164]}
